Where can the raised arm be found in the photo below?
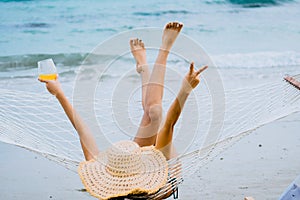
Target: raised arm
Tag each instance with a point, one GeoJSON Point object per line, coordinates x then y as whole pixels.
{"type": "Point", "coordinates": [165, 135]}
{"type": "Point", "coordinates": [87, 140]}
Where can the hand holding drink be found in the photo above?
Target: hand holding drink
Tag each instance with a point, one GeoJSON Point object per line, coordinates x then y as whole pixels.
{"type": "Point", "coordinates": [48, 75]}
{"type": "Point", "coordinates": [47, 70]}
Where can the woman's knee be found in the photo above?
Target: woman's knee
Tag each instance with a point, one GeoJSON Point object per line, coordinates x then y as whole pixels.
{"type": "Point", "coordinates": [154, 112]}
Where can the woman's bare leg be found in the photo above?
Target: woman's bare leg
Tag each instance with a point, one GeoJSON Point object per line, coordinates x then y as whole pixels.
{"type": "Point", "coordinates": [139, 53]}
{"type": "Point", "coordinates": [151, 119]}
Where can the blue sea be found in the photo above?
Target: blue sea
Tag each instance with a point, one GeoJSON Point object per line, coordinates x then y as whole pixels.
{"type": "Point", "coordinates": [235, 33]}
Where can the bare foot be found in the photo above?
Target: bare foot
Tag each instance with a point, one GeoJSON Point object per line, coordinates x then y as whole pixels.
{"type": "Point", "coordinates": [139, 53]}
{"type": "Point", "coordinates": [170, 34]}
{"type": "Point", "coordinates": [292, 81]}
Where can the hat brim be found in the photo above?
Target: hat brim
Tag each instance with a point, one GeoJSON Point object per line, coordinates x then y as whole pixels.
{"type": "Point", "coordinates": [100, 183]}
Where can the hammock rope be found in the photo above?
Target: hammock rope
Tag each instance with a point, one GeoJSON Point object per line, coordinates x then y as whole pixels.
{"type": "Point", "coordinates": [38, 124]}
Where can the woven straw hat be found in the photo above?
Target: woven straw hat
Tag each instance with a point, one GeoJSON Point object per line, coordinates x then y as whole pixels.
{"type": "Point", "coordinates": [123, 169]}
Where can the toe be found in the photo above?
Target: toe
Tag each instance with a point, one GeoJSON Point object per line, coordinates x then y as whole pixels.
{"type": "Point", "coordinates": [180, 25]}
{"type": "Point", "coordinates": [174, 26]}
{"type": "Point", "coordinates": [177, 26]}
{"type": "Point", "coordinates": [169, 25]}
{"type": "Point", "coordinates": [142, 43]}
{"type": "Point", "coordinates": [131, 43]}
{"type": "Point", "coordinates": [136, 41]}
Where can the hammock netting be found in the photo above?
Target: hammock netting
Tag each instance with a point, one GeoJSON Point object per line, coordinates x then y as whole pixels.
{"type": "Point", "coordinates": [31, 121]}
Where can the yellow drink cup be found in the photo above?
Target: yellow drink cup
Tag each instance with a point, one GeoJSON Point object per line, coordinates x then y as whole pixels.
{"type": "Point", "coordinates": [47, 77]}
{"type": "Point", "coordinates": [47, 70]}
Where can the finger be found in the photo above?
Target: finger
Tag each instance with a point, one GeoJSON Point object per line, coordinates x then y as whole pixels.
{"type": "Point", "coordinates": [201, 70]}
{"type": "Point", "coordinates": [191, 68]}
{"type": "Point", "coordinates": [43, 81]}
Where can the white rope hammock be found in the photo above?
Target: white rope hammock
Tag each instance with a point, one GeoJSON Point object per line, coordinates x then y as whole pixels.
{"type": "Point", "coordinates": [30, 121]}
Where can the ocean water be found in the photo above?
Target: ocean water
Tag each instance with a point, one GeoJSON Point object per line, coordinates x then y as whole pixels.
{"type": "Point", "coordinates": [247, 39]}
{"type": "Point", "coordinates": [260, 37]}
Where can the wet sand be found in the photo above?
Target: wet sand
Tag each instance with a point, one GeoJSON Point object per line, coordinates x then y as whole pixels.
{"type": "Point", "coordinates": [261, 165]}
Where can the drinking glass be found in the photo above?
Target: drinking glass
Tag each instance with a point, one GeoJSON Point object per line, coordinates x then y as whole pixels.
{"type": "Point", "coordinates": [47, 70]}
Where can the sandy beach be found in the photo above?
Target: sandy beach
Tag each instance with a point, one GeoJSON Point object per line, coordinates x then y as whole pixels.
{"type": "Point", "coordinates": [261, 165]}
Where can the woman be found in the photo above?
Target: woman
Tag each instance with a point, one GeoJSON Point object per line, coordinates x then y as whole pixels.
{"type": "Point", "coordinates": [139, 167]}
